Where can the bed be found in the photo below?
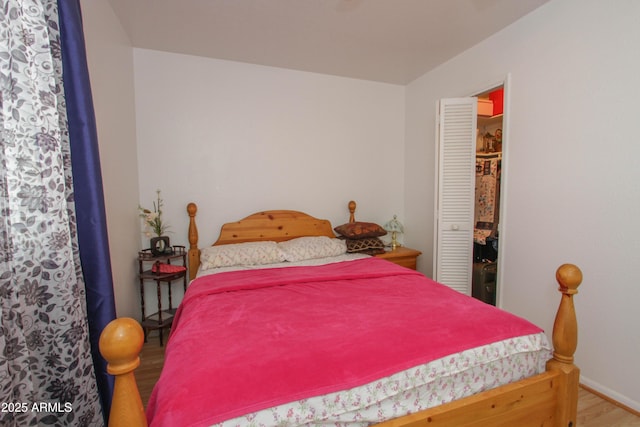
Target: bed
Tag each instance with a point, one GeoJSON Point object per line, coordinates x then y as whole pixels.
{"type": "Point", "coordinates": [340, 340]}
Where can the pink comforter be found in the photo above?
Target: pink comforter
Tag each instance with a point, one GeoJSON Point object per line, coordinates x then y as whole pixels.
{"type": "Point", "coordinates": [248, 340]}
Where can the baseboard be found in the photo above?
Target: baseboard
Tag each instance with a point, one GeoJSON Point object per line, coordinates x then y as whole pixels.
{"type": "Point", "coordinates": [610, 396]}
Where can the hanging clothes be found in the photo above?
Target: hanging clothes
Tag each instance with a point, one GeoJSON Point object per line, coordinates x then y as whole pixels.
{"type": "Point", "coordinates": [487, 196]}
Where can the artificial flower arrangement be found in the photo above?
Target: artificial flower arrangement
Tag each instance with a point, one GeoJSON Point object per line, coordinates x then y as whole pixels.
{"type": "Point", "coordinates": [154, 226]}
{"type": "Point", "coordinates": [153, 219]}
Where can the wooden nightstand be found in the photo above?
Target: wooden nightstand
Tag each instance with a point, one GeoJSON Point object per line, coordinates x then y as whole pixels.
{"type": "Point", "coordinates": [162, 318]}
{"type": "Point", "coordinates": [405, 257]}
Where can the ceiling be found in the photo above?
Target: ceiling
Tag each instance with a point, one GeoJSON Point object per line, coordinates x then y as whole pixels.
{"type": "Point", "coordinates": [393, 41]}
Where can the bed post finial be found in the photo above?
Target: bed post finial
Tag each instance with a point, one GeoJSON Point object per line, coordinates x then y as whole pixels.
{"type": "Point", "coordinates": [194, 252]}
{"type": "Point", "coordinates": [565, 328]}
{"type": "Point", "coordinates": [120, 344]}
{"type": "Point", "coordinates": [352, 210]}
{"type": "Point", "coordinates": [565, 342]}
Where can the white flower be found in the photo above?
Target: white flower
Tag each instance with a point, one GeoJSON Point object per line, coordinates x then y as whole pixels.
{"type": "Point", "coordinates": [153, 219]}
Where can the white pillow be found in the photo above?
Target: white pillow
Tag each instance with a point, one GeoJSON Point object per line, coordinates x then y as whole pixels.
{"type": "Point", "coordinates": [249, 253]}
{"type": "Point", "coordinates": [312, 247]}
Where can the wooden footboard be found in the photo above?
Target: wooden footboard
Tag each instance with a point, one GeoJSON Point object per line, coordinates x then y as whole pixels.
{"type": "Point", "coordinates": [548, 399]}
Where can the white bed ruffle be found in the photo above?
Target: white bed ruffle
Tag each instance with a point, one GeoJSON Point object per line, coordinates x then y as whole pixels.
{"type": "Point", "coordinates": [422, 387]}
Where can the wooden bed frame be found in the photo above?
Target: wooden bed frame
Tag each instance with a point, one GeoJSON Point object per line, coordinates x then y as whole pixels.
{"type": "Point", "coordinates": [547, 399]}
{"type": "Point", "coordinates": [275, 226]}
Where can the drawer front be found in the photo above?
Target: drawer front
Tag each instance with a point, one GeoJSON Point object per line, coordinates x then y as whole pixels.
{"type": "Point", "coordinates": [409, 262]}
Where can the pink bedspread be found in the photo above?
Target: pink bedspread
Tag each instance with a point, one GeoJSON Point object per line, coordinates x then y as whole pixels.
{"type": "Point", "coordinates": [248, 340]}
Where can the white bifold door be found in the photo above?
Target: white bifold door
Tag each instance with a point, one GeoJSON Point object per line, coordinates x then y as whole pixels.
{"type": "Point", "coordinates": [455, 192]}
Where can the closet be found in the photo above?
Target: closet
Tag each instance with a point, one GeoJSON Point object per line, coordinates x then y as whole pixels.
{"type": "Point", "coordinates": [488, 168]}
{"type": "Point", "coordinates": [468, 176]}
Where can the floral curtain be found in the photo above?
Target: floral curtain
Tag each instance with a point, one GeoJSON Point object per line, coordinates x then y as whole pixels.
{"type": "Point", "coordinates": [46, 370]}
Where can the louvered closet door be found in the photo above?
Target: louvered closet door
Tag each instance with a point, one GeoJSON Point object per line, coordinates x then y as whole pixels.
{"type": "Point", "coordinates": [455, 193]}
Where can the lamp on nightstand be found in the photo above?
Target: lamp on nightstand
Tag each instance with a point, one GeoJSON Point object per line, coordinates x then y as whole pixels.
{"type": "Point", "coordinates": [394, 227]}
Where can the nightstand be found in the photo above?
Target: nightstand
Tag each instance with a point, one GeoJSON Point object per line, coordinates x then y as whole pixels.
{"type": "Point", "coordinates": [162, 318]}
{"type": "Point", "coordinates": [405, 257]}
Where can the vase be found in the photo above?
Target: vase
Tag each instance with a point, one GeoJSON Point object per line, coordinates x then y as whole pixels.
{"type": "Point", "coordinates": [160, 246]}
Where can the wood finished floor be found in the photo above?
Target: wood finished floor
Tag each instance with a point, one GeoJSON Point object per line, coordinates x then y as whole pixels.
{"type": "Point", "coordinates": [593, 411]}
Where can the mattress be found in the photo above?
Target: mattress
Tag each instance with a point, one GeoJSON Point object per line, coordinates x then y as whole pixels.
{"type": "Point", "coordinates": [344, 344]}
{"type": "Point", "coordinates": [441, 381]}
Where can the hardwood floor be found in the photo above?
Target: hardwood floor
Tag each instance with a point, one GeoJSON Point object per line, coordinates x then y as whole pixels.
{"type": "Point", "coordinates": [151, 362]}
{"type": "Point", "coordinates": [593, 411]}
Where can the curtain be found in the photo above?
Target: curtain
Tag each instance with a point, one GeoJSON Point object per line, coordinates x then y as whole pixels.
{"type": "Point", "coordinates": [46, 369]}
{"type": "Point", "coordinates": [87, 182]}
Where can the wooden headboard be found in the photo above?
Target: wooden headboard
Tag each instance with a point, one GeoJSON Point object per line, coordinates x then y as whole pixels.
{"type": "Point", "coordinates": [276, 225]}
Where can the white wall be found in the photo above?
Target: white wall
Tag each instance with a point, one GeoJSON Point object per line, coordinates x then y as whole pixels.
{"type": "Point", "coordinates": [237, 138]}
{"type": "Point", "coordinates": [110, 60]}
{"type": "Point", "coordinates": [573, 167]}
